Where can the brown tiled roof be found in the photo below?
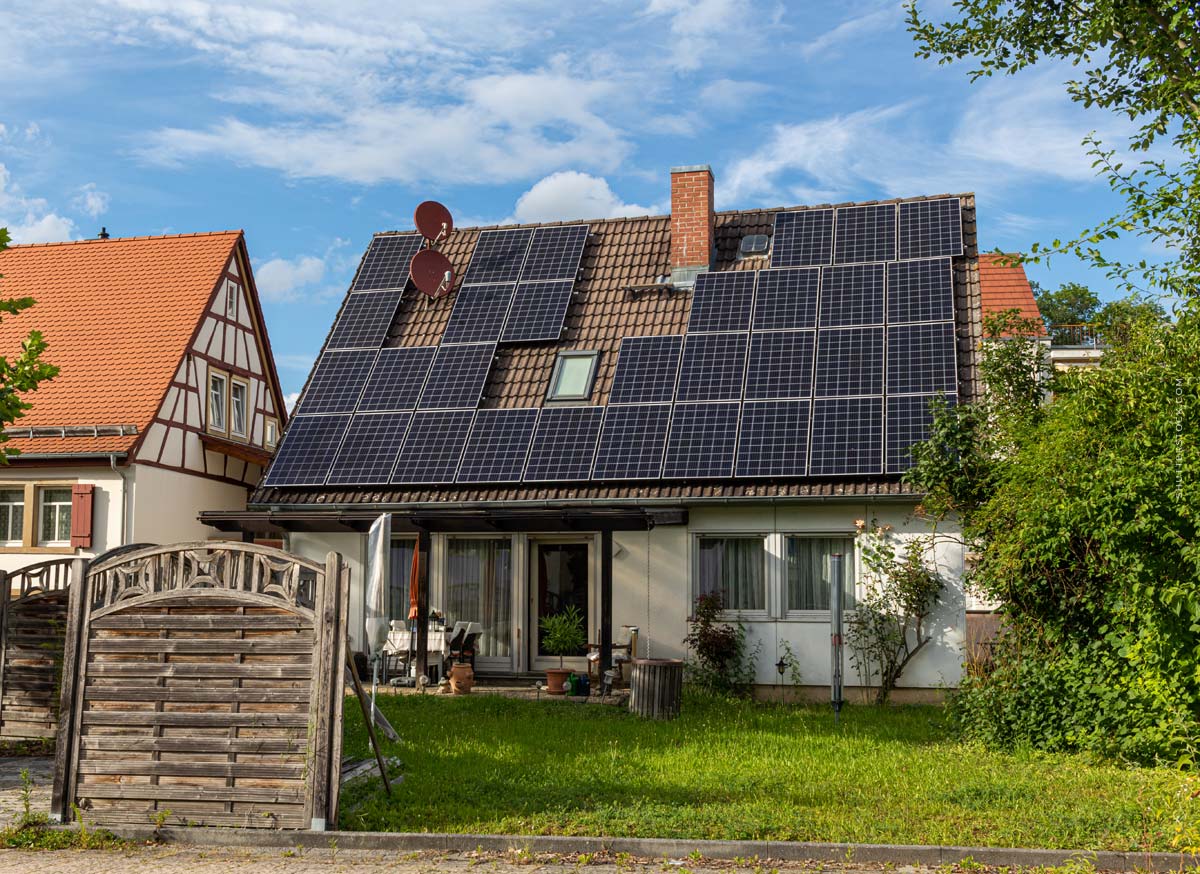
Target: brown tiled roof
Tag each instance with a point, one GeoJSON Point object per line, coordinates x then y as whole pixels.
{"type": "Point", "coordinates": [622, 259]}
{"type": "Point", "coordinates": [118, 315]}
{"type": "Point", "coordinates": [1004, 286]}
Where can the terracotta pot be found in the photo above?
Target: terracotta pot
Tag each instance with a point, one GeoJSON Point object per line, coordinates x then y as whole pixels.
{"type": "Point", "coordinates": [462, 679]}
{"type": "Point", "coordinates": [556, 679]}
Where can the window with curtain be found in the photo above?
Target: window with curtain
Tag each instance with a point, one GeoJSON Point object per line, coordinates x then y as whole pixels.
{"type": "Point", "coordinates": [734, 568]}
{"type": "Point", "coordinates": [398, 577]}
{"type": "Point", "coordinates": [479, 589]}
{"type": "Point", "coordinates": [809, 572]}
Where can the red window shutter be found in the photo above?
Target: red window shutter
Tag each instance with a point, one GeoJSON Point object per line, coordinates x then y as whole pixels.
{"type": "Point", "coordinates": [81, 515]}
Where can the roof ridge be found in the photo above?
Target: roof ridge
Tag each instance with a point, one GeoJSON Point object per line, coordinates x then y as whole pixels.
{"type": "Point", "coordinates": [233, 232]}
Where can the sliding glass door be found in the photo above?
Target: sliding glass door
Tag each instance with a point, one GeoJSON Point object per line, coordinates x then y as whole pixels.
{"type": "Point", "coordinates": [479, 588]}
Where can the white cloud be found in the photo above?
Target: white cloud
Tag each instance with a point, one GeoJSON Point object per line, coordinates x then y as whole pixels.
{"type": "Point", "coordinates": [91, 200]}
{"type": "Point", "coordinates": [728, 95]}
{"type": "Point", "coordinates": [572, 195]}
{"type": "Point", "coordinates": [289, 400]}
{"type": "Point", "coordinates": [281, 279]}
{"type": "Point", "coordinates": [705, 31]}
{"type": "Point", "coordinates": [850, 30]}
{"type": "Point", "coordinates": [30, 219]}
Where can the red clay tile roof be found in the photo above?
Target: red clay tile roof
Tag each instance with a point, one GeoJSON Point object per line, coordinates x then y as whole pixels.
{"type": "Point", "coordinates": [622, 255]}
{"type": "Point", "coordinates": [1005, 287]}
{"type": "Point", "coordinates": [118, 315]}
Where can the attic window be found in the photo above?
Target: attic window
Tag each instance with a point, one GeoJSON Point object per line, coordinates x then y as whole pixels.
{"type": "Point", "coordinates": [574, 373]}
{"type": "Point", "coordinates": [754, 246]}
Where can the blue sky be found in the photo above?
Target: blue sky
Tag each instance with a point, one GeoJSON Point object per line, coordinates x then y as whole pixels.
{"type": "Point", "coordinates": [312, 125]}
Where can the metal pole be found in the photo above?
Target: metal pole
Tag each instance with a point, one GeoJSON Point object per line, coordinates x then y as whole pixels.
{"type": "Point", "coordinates": [835, 638]}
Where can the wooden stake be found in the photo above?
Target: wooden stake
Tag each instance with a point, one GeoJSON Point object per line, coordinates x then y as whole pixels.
{"type": "Point", "coordinates": [366, 711]}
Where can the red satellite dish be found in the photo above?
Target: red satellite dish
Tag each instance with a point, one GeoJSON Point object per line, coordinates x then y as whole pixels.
{"type": "Point", "coordinates": [432, 272]}
{"type": "Point", "coordinates": [433, 221]}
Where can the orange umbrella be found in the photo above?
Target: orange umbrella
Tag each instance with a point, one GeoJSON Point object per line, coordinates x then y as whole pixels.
{"type": "Point", "coordinates": [414, 583]}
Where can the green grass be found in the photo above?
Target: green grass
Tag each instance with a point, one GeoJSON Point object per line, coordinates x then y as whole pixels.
{"type": "Point", "coordinates": [741, 771]}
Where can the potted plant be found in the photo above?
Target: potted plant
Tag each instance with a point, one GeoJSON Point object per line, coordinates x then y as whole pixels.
{"type": "Point", "coordinates": [562, 635]}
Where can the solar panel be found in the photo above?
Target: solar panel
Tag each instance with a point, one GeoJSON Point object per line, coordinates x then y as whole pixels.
{"type": "Point", "coordinates": [920, 291]}
{"type": "Point", "coordinates": [307, 450]}
{"type": "Point", "coordinates": [336, 382]}
{"type": "Point", "coordinates": [921, 358]}
{"type": "Point", "coordinates": [780, 365]}
{"type": "Point", "coordinates": [498, 256]}
{"type": "Point", "coordinates": [554, 253]}
{"type": "Point", "coordinates": [457, 376]}
{"type": "Point", "coordinates": [397, 379]}
{"type": "Point", "coordinates": [931, 227]}
{"type": "Point", "coordinates": [647, 368]}
{"type": "Point", "coordinates": [364, 320]}
{"type": "Point", "coordinates": [847, 436]}
{"type": "Point", "coordinates": [908, 421]}
{"type": "Point", "coordinates": [702, 441]}
{"type": "Point", "coordinates": [786, 299]}
{"type": "Point", "coordinates": [722, 301]}
{"type": "Point", "coordinates": [773, 439]}
{"type": "Point", "coordinates": [802, 238]}
{"type": "Point", "coordinates": [386, 263]}
{"type": "Point", "coordinates": [849, 362]}
{"type": "Point", "coordinates": [538, 311]}
{"type": "Point", "coordinates": [865, 233]}
{"type": "Point", "coordinates": [497, 446]}
{"type": "Point", "coordinates": [852, 295]}
{"type": "Point", "coordinates": [479, 313]}
{"type": "Point", "coordinates": [369, 451]}
{"type": "Point", "coordinates": [564, 444]}
{"type": "Point", "coordinates": [632, 442]}
{"type": "Point", "coordinates": [432, 447]}
{"type": "Point", "coordinates": [713, 367]}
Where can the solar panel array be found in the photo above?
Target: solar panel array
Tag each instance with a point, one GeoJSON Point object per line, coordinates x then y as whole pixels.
{"type": "Point", "coordinates": [823, 364]}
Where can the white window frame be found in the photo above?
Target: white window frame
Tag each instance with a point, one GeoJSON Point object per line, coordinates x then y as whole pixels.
{"type": "Point", "coordinates": [594, 359]}
{"type": "Point", "coordinates": [19, 540]}
{"type": "Point", "coordinates": [43, 504]}
{"type": "Point", "coordinates": [230, 419]}
{"type": "Point", "coordinates": [767, 571]}
{"type": "Point", "coordinates": [270, 433]}
{"type": "Point", "coordinates": [223, 407]}
{"type": "Point", "coordinates": [851, 566]}
{"type": "Point", "coordinates": [231, 299]}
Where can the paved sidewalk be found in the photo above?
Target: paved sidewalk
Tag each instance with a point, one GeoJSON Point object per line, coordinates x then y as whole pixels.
{"type": "Point", "coordinates": [41, 771]}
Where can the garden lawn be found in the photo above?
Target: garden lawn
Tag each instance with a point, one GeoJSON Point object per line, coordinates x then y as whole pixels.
{"type": "Point", "coordinates": [737, 770]}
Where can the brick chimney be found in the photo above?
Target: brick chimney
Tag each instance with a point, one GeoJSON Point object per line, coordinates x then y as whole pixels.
{"type": "Point", "coordinates": [691, 222]}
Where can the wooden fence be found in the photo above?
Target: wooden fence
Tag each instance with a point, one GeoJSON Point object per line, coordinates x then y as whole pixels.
{"type": "Point", "coordinates": [33, 620]}
{"type": "Point", "coordinates": [203, 685]}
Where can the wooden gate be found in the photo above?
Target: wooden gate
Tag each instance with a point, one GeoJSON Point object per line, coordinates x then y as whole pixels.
{"type": "Point", "coordinates": [33, 621]}
{"type": "Point", "coordinates": [203, 685]}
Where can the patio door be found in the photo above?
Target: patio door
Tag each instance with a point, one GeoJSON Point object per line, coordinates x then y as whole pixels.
{"type": "Point", "coordinates": [479, 588]}
{"type": "Point", "coordinates": [560, 574]}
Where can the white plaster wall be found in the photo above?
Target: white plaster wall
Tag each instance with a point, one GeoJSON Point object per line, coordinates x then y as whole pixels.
{"type": "Point", "coordinates": [167, 502]}
{"type": "Point", "coordinates": [353, 548]}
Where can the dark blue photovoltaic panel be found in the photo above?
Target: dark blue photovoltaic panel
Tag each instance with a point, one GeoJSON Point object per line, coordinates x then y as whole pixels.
{"type": "Point", "coordinates": [647, 368]}
{"type": "Point", "coordinates": [865, 233]}
{"type": "Point", "coordinates": [852, 295]}
{"type": "Point", "coordinates": [432, 447]}
{"type": "Point", "coordinates": [803, 238]}
{"type": "Point", "coordinates": [702, 441]}
{"type": "Point", "coordinates": [847, 436]}
{"type": "Point", "coordinates": [554, 253]}
{"type": "Point", "coordinates": [336, 382]}
{"type": "Point", "coordinates": [364, 320]}
{"type": "Point", "coordinates": [908, 421]}
{"type": "Point", "coordinates": [713, 367]}
{"type": "Point", "coordinates": [386, 263]}
{"type": "Point", "coordinates": [457, 376]}
{"type": "Point", "coordinates": [773, 439]}
{"type": "Point", "coordinates": [479, 313]}
{"type": "Point", "coordinates": [564, 444]}
{"type": "Point", "coordinates": [307, 450]}
{"type": "Point", "coordinates": [632, 442]}
{"type": "Point", "coordinates": [538, 311]}
{"type": "Point", "coordinates": [849, 362]}
{"type": "Point", "coordinates": [786, 299]}
{"type": "Point", "coordinates": [921, 359]}
{"type": "Point", "coordinates": [497, 446]}
{"type": "Point", "coordinates": [498, 256]}
{"type": "Point", "coordinates": [369, 450]}
{"type": "Point", "coordinates": [781, 365]}
{"type": "Point", "coordinates": [929, 228]}
{"type": "Point", "coordinates": [397, 379]}
{"type": "Point", "coordinates": [722, 301]}
{"type": "Point", "coordinates": [920, 291]}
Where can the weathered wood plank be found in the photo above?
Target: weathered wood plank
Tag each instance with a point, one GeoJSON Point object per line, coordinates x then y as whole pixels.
{"type": "Point", "coordinates": [180, 695]}
{"type": "Point", "coordinates": [286, 671]}
{"type": "Point", "coordinates": [191, 744]}
{"type": "Point", "coordinates": [298, 643]}
{"type": "Point", "coordinates": [248, 770]}
{"type": "Point", "coordinates": [215, 719]}
{"type": "Point", "coordinates": [150, 792]}
{"type": "Point", "coordinates": [199, 622]}
{"type": "Point", "coordinates": [238, 820]}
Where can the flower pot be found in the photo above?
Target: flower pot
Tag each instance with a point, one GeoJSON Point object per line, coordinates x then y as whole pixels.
{"type": "Point", "coordinates": [555, 678]}
{"type": "Point", "coordinates": [462, 679]}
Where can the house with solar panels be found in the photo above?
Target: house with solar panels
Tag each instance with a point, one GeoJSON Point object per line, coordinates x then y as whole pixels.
{"type": "Point", "coordinates": [622, 415]}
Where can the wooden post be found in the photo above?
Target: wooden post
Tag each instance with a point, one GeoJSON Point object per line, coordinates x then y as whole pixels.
{"type": "Point", "coordinates": [61, 794]}
{"type": "Point", "coordinates": [324, 684]}
{"type": "Point", "coordinates": [5, 597]}
{"type": "Point", "coordinates": [606, 585]}
{"type": "Point", "coordinates": [424, 542]}
{"type": "Point", "coordinates": [369, 722]}
{"type": "Point", "coordinates": [337, 699]}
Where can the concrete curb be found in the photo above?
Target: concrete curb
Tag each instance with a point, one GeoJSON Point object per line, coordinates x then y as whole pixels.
{"type": "Point", "coordinates": [659, 848]}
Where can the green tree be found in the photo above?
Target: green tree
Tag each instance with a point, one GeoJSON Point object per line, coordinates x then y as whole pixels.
{"type": "Point", "coordinates": [1070, 304]}
{"type": "Point", "coordinates": [22, 373]}
{"type": "Point", "coordinates": [1139, 60]}
{"type": "Point", "coordinates": [1115, 320]}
